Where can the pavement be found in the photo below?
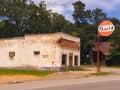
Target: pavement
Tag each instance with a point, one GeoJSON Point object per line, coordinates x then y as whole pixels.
{"type": "Point", "coordinates": [33, 85]}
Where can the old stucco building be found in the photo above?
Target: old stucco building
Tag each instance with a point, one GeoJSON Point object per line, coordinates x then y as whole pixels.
{"type": "Point", "coordinates": [41, 51]}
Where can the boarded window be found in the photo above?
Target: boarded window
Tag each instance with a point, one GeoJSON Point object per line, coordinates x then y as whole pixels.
{"type": "Point", "coordinates": [64, 59]}
{"type": "Point", "coordinates": [36, 52]}
{"type": "Point", "coordinates": [76, 60]}
{"type": "Point", "coordinates": [11, 55]}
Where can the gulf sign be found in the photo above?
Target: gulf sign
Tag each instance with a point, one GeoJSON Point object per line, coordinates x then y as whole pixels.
{"type": "Point", "coordinates": [106, 28]}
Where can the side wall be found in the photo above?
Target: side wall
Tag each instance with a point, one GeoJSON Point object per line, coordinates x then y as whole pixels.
{"type": "Point", "coordinates": [24, 53]}
{"type": "Point", "coordinates": [50, 53]}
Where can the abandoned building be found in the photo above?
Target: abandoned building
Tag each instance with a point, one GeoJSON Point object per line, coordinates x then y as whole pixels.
{"type": "Point", "coordinates": [41, 51]}
{"type": "Point", "coordinates": [104, 50]}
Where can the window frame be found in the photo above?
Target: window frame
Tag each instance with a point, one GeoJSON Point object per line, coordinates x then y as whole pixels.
{"type": "Point", "coordinates": [64, 60]}
{"type": "Point", "coordinates": [36, 52]}
{"type": "Point", "coordinates": [11, 54]}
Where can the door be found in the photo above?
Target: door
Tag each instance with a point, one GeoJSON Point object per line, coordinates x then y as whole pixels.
{"type": "Point", "coordinates": [70, 61]}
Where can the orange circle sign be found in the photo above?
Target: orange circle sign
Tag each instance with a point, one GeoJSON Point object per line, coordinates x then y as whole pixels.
{"type": "Point", "coordinates": [106, 28]}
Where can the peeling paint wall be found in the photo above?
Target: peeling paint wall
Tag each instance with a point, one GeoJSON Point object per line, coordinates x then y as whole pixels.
{"type": "Point", "coordinates": [24, 47]}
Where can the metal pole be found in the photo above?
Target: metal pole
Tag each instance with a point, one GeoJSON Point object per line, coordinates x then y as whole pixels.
{"type": "Point", "coordinates": [98, 55]}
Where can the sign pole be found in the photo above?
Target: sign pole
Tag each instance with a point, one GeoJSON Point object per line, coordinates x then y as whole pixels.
{"type": "Point", "coordinates": [105, 28]}
{"type": "Point", "coordinates": [98, 55]}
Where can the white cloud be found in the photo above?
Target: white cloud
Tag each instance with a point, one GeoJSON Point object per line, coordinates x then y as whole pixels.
{"type": "Point", "coordinates": [56, 8]}
{"type": "Point", "coordinates": [103, 4]}
{"type": "Point", "coordinates": [65, 7]}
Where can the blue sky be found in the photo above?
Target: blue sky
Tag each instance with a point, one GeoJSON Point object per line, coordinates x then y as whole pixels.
{"type": "Point", "coordinates": [65, 7]}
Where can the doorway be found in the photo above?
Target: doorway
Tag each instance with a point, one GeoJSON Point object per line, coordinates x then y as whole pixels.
{"type": "Point", "coordinates": [70, 61]}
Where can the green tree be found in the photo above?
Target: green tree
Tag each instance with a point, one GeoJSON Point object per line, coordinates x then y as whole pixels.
{"type": "Point", "coordinates": [115, 50]}
{"type": "Point", "coordinates": [39, 20]}
{"type": "Point", "coordinates": [15, 11]}
{"type": "Point", "coordinates": [60, 24]}
{"type": "Point", "coordinates": [97, 16]}
{"type": "Point", "coordinates": [28, 17]}
{"type": "Point", "coordinates": [7, 29]}
{"type": "Point", "coordinates": [114, 38]}
{"type": "Point", "coordinates": [87, 26]}
{"type": "Point", "coordinates": [80, 15]}
{"type": "Point", "coordinates": [115, 21]}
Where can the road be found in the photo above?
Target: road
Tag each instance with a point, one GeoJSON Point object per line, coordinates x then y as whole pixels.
{"type": "Point", "coordinates": [108, 82]}
{"type": "Point", "coordinates": [104, 85]}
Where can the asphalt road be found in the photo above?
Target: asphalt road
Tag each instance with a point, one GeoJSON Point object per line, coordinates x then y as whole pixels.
{"type": "Point", "coordinates": [104, 85]}
{"type": "Point", "coordinates": [108, 82]}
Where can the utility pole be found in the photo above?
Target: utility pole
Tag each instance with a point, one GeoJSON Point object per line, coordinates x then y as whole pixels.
{"type": "Point", "coordinates": [98, 55]}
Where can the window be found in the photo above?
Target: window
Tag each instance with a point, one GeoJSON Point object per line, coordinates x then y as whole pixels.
{"type": "Point", "coordinates": [36, 52]}
{"type": "Point", "coordinates": [76, 60]}
{"type": "Point", "coordinates": [11, 55]}
{"type": "Point", "coordinates": [64, 59]}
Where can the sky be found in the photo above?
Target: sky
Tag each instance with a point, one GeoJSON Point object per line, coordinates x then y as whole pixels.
{"type": "Point", "coordinates": [65, 7]}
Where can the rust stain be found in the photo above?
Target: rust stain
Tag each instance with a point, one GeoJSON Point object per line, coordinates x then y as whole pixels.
{"type": "Point", "coordinates": [68, 44]}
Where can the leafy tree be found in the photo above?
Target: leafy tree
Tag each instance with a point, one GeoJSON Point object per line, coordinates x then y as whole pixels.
{"type": "Point", "coordinates": [39, 20]}
{"type": "Point", "coordinates": [15, 11]}
{"type": "Point", "coordinates": [80, 15]}
{"type": "Point", "coordinates": [97, 16]}
{"type": "Point", "coordinates": [87, 23]}
{"type": "Point", "coordinates": [7, 29]}
{"type": "Point", "coordinates": [115, 50]}
{"type": "Point", "coordinates": [60, 24]}
{"type": "Point", "coordinates": [115, 21]}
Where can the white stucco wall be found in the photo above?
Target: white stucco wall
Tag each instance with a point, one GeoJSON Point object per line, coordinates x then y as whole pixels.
{"type": "Point", "coordinates": [50, 53]}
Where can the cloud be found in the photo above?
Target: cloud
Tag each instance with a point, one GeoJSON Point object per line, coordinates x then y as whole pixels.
{"type": "Point", "coordinates": [103, 4]}
{"type": "Point", "coordinates": [59, 6]}
{"type": "Point", "coordinates": [56, 8]}
{"type": "Point", "coordinates": [65, 7]}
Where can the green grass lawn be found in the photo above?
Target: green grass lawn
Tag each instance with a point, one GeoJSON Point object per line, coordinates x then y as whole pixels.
{"type": "Point", "coordinates": [113, 66]}
{"type": "Point", "coordinates": [84, 69]}
{"type": "Point", "coordinates": [25, 72]}
{"type": "Point", "coordinates": [105, 73]}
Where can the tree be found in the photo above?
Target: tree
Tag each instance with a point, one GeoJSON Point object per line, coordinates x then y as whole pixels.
{"type": "Point", "coordinates": [97, 16]}
{"type": "Point", "coordinates": [87, 26]}
{"type": "Point", "coordinates": [115, 21]}
{"type": "Point", "coordinates": [32, 18]}
{"type": "Point", "coordinates": [16, 11]}
{"type": "Point", "coordinates": [115, 50]}
{"type": "Point", "coordinates": [7, 29]}
{"type": "Point", "coordinates": [80, 15]}
{"type": "Point", "coordinates": [59, 23]}
{"type": "Point", "coordinates": [39, 20]}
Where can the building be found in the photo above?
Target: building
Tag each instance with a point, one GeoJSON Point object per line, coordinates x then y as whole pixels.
{"type": "Point", "coordinates": [104, 51]}
{"type": "Point", "coordinates": [41, 51]}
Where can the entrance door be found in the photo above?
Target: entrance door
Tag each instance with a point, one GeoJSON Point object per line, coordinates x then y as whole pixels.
{"type": "Point", "coordinates": [70, 61]}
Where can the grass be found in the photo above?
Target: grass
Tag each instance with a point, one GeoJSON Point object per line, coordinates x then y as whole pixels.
{"type": "Point", "coordinates": [105, 73]}
{"type": "Point", "coordinates": [102, 65]}
{"type": "Point", "coordinates": [114, 66]}
{"type": "Point", "coordinates": [25, 72]}
{"type": "Point", "coordinates": [83, 69]}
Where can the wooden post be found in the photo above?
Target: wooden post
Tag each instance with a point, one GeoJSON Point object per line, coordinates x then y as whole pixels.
{"type": "Point", "coordinates": [98, 55]}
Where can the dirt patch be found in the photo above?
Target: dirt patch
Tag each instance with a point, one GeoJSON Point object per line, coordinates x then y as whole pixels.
{"type": "Point", "coordinates": [13, 79]}
{"type": "Point", "coordinates": [4, 79]}
{"type": "Point", "coordinates": [70, 74]}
